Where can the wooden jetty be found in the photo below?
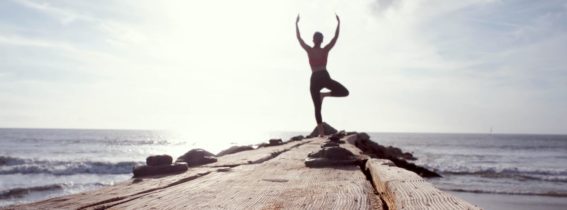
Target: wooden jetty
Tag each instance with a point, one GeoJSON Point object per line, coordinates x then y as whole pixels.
{"type": "Point", "coordinates": [269, 178]}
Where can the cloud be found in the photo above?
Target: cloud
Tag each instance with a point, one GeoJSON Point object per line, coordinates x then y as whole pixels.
{"type": "Point", "coordinates": [410, 65]}
{"type": "Point", "coordinates": [383, 5]}
{"type": "Point", "coordinates": [63, 15]}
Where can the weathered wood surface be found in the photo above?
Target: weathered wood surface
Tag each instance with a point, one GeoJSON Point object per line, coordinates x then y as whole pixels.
{"type": "Point", "coordinates": [281, 182]}
{"type": "Point", "coordinates": [269, 178]}
{"type": "Point", "coordinates": [135, 187]}
{"type": "Point", "coordinates": [403, 189]}
{"type": "Point", "coordinates": [266, 178]}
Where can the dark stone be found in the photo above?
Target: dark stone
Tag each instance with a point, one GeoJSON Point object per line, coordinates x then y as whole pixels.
{"type": "Point", "coordinates": [330, 144]}
{"type": "Point", "coordinates": [408, 156]}
{"type": "Point", "coordinates": [338, 153]}
{"type": "Point", "coordinates": [159, 160]}
{"type": "Point", "coordinates": [271, 142]}
{"type": "Point", "coordinates": [332, 152]}
{"type": "Point", "coordinates": [141, 171]}
{"type": "Point", "coordinates": [351, 133]}
{"type": "Point", "coordinates": [330, 155]}
{"type": "Point", "coordinates": [197, 157]}
{"type": "Point", "coordinates": [362, 136]}
{"type": "Point", "coordinates": [337, 136]}
{"type": "Point", "coordinates": [234, 149]}
{"type": "Point", "coordinates": [324, 162]}
{"type": "Point", "coordinates": [297, 138]}
{"type": "Point", "coordinates": [327, 129]}
{"type": "Point", "coordinates": [275, 142]}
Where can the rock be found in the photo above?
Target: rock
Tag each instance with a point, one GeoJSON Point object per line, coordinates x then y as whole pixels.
{"type": "Point", "coordinates": [197, 157]}
{"type": "Point", "coordinates": [263, 145]}
{"type": "Point", "coordinates": [234, 149]}
{"type": "Point", "coordinates": [159, 160]}
{"type": "Point", "coordinates": [141, 171]}
{"type": "Point", "coordinates": [408, 156]}
{"type": "Point", "coordinates": [396, 155]}
{"type": "Point", "coordinates": [323, 162]}
{"type": "Point", "coordinates": [297, 138]}
{"type": "Point", "coordinates": [332, 152]}
{"type": "Point", "coordinates": [362, 136]}
{"type": "Point", "coordinates": [271, 142]}
{"type": "Point", "coordinates": [275, 142]}
{"type": "Point", "coordinates": [337, 136]}
{"type": "Point", "coordinates": [329, 157]}
{"type": "Point", "coordinates": [327, 130]}
{"type": "Point", "coordinates": [330, 144]}
{"type": "Point", "coordinates": [351, 133]}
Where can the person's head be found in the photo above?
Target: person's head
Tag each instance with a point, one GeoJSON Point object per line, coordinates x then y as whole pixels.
{"type": "Point", "coordinates": [317, 38]}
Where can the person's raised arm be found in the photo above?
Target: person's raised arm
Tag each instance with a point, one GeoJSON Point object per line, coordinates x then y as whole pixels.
{"type": "Point", "coordinates": [334, 40]}
{"type": "Point", "coordinates": [301, 42]}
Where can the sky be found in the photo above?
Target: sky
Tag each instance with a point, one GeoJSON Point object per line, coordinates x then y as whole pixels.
{"type": "Point", "coordinates": [235, 67]}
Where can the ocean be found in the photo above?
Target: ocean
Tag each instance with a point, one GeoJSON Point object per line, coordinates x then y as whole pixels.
{"type": "Point", "coordinates": [37, 164]}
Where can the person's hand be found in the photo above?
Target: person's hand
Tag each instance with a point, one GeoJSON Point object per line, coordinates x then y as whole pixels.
{"type": "Point", "coordinates": [338, 19]}
{"type": "Point", "coordinates": [297, 20]}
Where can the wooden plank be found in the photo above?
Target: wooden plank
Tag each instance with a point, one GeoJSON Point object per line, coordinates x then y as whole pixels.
{"type": "Point", "coordinates": [116, 192]}
{"type": "Point", "coordinates": [403, 189]}
{"type": "Point", "coordinates": [254, 156]}
{"type": "Point", "coordinates": [136, 187]}
{"type": "Point", "coordinates": [279, 183]}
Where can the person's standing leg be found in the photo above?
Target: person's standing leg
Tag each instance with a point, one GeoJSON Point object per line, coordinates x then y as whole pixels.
{"type": "Point", "coordinates": [317, 103]}
{"type": "Point", "coordinates": [315, 89]}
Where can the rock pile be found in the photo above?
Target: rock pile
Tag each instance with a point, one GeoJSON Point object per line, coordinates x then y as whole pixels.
{"type": "Point", "coordinates": [330, 155]}
{"type": "Point", "coordinates": [158, 165]}
{"type": "Point", "coordinates": [396, 155]}
{"type": "Point", "coordinates": [196, 157]}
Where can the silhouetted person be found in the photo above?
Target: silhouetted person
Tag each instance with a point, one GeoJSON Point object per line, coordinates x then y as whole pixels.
{"type": "Point", "coordinates": [319, 76]}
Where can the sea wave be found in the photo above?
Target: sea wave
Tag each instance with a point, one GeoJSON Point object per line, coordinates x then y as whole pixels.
{"type": "Point", "coordinates": [14, 165]}
{"type": "Point", "coordinates": [6, 160]}
{"type": "Point", "coordinates": [21, 192]}
{"type": "Point", "coordinates": [551, 175]}
{"type": "Point", "coordinates": [83, 141]}
{"type": "Point", "coordinates": [549, 193]}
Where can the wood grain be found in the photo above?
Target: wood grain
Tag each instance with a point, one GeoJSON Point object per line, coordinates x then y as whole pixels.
{"type": "Point", "coordinates": [403, 189]}
{"type": "Point", "coordinates": [279, 183]}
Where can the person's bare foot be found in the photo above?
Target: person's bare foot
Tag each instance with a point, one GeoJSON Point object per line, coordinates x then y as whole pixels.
{"type": "Point", "coordinates": [321, 130]}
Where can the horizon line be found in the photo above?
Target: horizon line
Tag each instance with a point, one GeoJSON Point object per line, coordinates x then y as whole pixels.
{"type": "Point", "coordinates": [307, 131]}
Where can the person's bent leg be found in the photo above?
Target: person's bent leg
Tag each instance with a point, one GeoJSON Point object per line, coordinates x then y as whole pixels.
{"type": "Point", "coordinates": [337, 89]}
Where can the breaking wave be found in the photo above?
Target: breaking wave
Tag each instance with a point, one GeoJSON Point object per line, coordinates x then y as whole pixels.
{"type": "Point", "coordinates": [14, 165]}
{"type": "Point", "coordinates": [551, 175]}
{"type": "Point", "coordinates": [551, 193]}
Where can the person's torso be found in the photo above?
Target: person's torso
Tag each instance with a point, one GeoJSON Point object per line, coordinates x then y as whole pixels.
{"type": "Point", "coordinates": [317, 58]}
